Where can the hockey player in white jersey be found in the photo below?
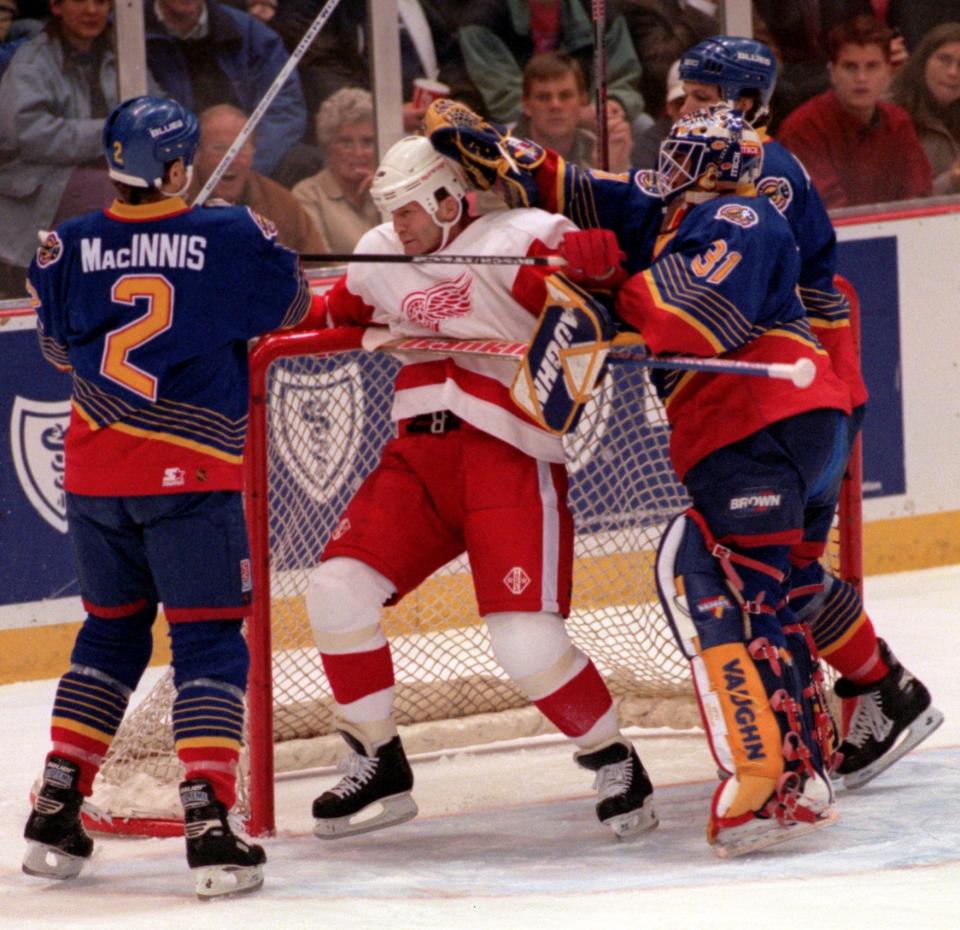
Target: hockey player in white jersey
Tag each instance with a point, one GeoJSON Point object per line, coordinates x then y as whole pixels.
{"type": "Point", "coordinates": [468, 471]}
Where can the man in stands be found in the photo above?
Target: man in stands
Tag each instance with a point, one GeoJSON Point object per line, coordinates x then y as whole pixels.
{"type": "Point", "coordinates": [858, 148]}
{"type": "Point", "coordinates": [467, 472]}
{"type": "Point", "coordinates": [554, 95]}
{"type": "Point", "coordinates": [242, 186]}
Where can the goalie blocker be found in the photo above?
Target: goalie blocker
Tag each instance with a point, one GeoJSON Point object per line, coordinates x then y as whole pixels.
{"type": "Point", "coordinates": [565, 357]}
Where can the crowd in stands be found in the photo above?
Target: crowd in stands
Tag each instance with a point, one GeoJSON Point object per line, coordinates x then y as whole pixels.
{"type": "Point", "coordinates": [868, 96]}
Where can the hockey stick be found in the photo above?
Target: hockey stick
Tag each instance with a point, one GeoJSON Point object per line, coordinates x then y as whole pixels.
{"type": "Point", "coordinates": [801, 372]}
{"type": "Point", "coordinates": [600, 80]}
{"type": "Point", "coordinates": [550, 261]}
{"type": "Point", "coordinates": [261, 108]}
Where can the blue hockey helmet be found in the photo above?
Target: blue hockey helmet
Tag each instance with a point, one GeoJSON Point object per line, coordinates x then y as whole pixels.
{"type": "Point", "coordinates": [143, 134]}
{"type": "Point", "coordinates": [711, 151]}
{"type": "Point", "coordinates": [738, 66]}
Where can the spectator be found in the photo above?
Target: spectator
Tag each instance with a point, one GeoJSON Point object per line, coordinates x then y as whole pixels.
{"type": "Point", "coordinates": [646, 144]}
{"type": "Point", "coordinates": [340, 55]}
{"type": "Point", "coordinates": [337, 198]}
{"type": "Point", "coordinates": [8, 13]}
{"type": "Point", "coordinates": [204, 53]}
{"type": "Point", "coordinates": [928, 88]}
{"type": "Point", "coordinates": [661, 30]}
{"type": "Point", "coordinates": [54, 96]}
{"type": "Point", "coordinates": [243, 186]}
{"type": "Point", "coordinates": [498, 37]}
{"type": "Point", "coordinates": [858, 148]}
{"type": "Point", "coordinates": [915, 18]}
{"type": "Point", "coordinates": [554, 92]}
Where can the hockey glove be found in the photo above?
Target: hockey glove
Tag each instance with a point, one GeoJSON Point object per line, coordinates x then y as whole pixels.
{"type": "Point", "coordinates": [594, 258]}
{"type": "Point", "coordinates": [565, 357]}
{"type": "Point", "coordinates": [487, 152]}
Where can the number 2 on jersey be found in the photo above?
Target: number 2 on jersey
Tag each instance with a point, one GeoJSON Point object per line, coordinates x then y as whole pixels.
{"type": "Point", "coordinates": [157, 291]}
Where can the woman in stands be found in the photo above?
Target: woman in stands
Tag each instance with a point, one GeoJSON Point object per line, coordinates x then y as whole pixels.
{"type": "Point", "coordinates": [928, 88]}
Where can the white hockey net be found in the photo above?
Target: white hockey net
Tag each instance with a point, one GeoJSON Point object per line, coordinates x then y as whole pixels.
{"type": "Point", "coordinates": [328, 418]}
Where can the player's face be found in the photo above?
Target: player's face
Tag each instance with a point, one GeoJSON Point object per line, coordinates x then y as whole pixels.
{"type": "Point", "coordinates": [942, 74]}
{"type": "Point", "coordinates": [416, 229]}
{"type": "Point", "coordinates": [860, 77]}
{"type": "Point", "coordinates": [553, 107]}
{"type": "Point", "coordinates": [351, 154]}
{"type": "Point", "coordinates": [81, 20]}
{"type": "Point", "coordinates": [216, 137]}
{"type": "Point", "coordinates": [699, 96]}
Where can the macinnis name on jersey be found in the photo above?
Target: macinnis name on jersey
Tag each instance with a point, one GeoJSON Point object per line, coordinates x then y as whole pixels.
{"type": "Point", "coordinates": [146, 250]}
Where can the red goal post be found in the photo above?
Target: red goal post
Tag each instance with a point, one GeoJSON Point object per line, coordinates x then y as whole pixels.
{"type": "Point", "coordinates": [319, 416]}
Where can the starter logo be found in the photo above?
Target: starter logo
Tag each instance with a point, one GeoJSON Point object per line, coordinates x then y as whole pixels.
{"type": "Point", "coordinates": [754, 502]}
{"type": "Point", "coordinates": [443, 301]}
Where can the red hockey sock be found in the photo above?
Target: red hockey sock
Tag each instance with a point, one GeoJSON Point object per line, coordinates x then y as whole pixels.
{"type": "Point", "coordinates": [857, 656]}
{"type": "Point", "coordinates": [577, 705]}
{"type": "Point", "coordinates": [354, 675]}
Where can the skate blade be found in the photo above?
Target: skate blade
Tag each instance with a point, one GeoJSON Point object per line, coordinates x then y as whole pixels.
{"type": "Point", "coordinates": [913, 736]}
{"type": "Point", "coordinates": [641, 820]}
{"type": "Point", "coordinates": [386, 812]}
{"type": "Point", "coordinates": [43, 861]}
{"type": "Point", "coordinates": [762, 834]}
{"type": "Point", "coordinates": [216, 881]}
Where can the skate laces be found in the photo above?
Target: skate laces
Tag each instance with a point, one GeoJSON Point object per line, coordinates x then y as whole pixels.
{"type": "Point", "coordinates": [869, 720]}
{"type": "Point", "coordinates": [358, 770]}
{"type": "Point", "coordinates": [614, 779]}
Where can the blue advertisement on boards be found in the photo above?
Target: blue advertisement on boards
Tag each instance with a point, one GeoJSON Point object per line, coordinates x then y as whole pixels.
{"type": "Point", "coordinates": [34, 408]}
{"type": "Point", "coordinates": [870, 265]}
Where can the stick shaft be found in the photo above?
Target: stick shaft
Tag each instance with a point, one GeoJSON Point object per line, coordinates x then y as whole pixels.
{"type": "Point", "coordinates": [516, 350]}
{"type": "Point", "coordinates": [600, 80]}
{"type": "Point", "coordinates": [550, 261]}
{"type": "Point", "coordinates": [254, 120]}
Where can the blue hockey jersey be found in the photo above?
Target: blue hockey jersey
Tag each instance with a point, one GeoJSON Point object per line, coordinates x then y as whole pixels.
{"type": "Point", "coordinates": [151, 307]}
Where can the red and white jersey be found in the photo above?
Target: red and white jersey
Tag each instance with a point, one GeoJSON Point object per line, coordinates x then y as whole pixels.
{"type": "Point", "coordinates": [459, 302]}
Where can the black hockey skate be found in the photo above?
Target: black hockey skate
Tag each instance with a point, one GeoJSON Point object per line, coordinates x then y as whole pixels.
{"type": "Point", "coordinates": [374, 793]}
{"type": "Point", "coordinates": [624, 791]}
{"type": "Point", "coordinates": [222, 862]}
{"type": "Point", "coordinates": [891, 717]}
{"type": "Point", "coordinates": [57, 845]}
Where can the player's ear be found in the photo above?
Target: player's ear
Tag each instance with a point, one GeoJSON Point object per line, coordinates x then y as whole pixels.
{"type": "Point", "coordinates": [174, 176]}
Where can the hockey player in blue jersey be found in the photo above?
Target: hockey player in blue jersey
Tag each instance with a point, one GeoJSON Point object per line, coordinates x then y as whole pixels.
{"type": "Point", "coordinates": [149, 304]}
{"type": "Point", "coordinates": [888, 709]}
{"type": "Point", "coordinates": [740, 72]}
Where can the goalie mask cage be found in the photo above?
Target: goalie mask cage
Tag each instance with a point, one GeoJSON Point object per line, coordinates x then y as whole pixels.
{"type": "Point", "coordinates": [320, 414]}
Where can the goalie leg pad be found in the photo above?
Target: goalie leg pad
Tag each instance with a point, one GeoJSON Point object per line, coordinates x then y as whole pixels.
{"type": "Point", "coordinates": [565, 357]}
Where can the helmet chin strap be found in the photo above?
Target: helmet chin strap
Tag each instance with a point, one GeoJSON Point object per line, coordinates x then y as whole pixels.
{"type": "Point", "coordinates": [188, 173]}
{"type": "Point", "coordinates": [447, 227]}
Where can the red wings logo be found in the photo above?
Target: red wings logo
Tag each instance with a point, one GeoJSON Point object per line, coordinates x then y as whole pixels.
{"type": "Point", "coordinates": [438, 303]}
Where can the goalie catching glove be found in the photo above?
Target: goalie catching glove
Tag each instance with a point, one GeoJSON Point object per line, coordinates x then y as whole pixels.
{"type": "Point", "coordinates": [487, 151]}
{"type": "Point", "coordinates": [565, 358]}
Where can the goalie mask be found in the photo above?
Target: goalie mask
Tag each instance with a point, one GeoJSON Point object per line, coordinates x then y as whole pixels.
{"type": "Point", "coordinates": [709, 152]}
{"type": "Point", "coordinates": [413, 171]}
{"type": "Point", "coordinates": [738, 66]}
{"type": "Point", "coordinates": [144, 134]}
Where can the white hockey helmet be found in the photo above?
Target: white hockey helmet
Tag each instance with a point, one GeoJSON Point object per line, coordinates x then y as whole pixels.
{"type": "Point", "coordinates": [414, 171]}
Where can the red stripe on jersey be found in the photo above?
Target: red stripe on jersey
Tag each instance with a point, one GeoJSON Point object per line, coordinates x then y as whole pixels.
{"type": "Point", "coordinates": [151, 465]}
{"type": "Point", "coordinates": [355, 675]}
{"type": "Point", "coordinates": [576, 706]}
{"type": "Point", "coordinates": [549, 177]}
{"type": "Point", "coordinates": [344, 308]}
{"type": "Point", "coordinates": [664, 327]}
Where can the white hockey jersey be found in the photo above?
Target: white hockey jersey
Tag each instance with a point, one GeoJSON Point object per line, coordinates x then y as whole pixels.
{"type": "Point", "coordinates": [460, 302]}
